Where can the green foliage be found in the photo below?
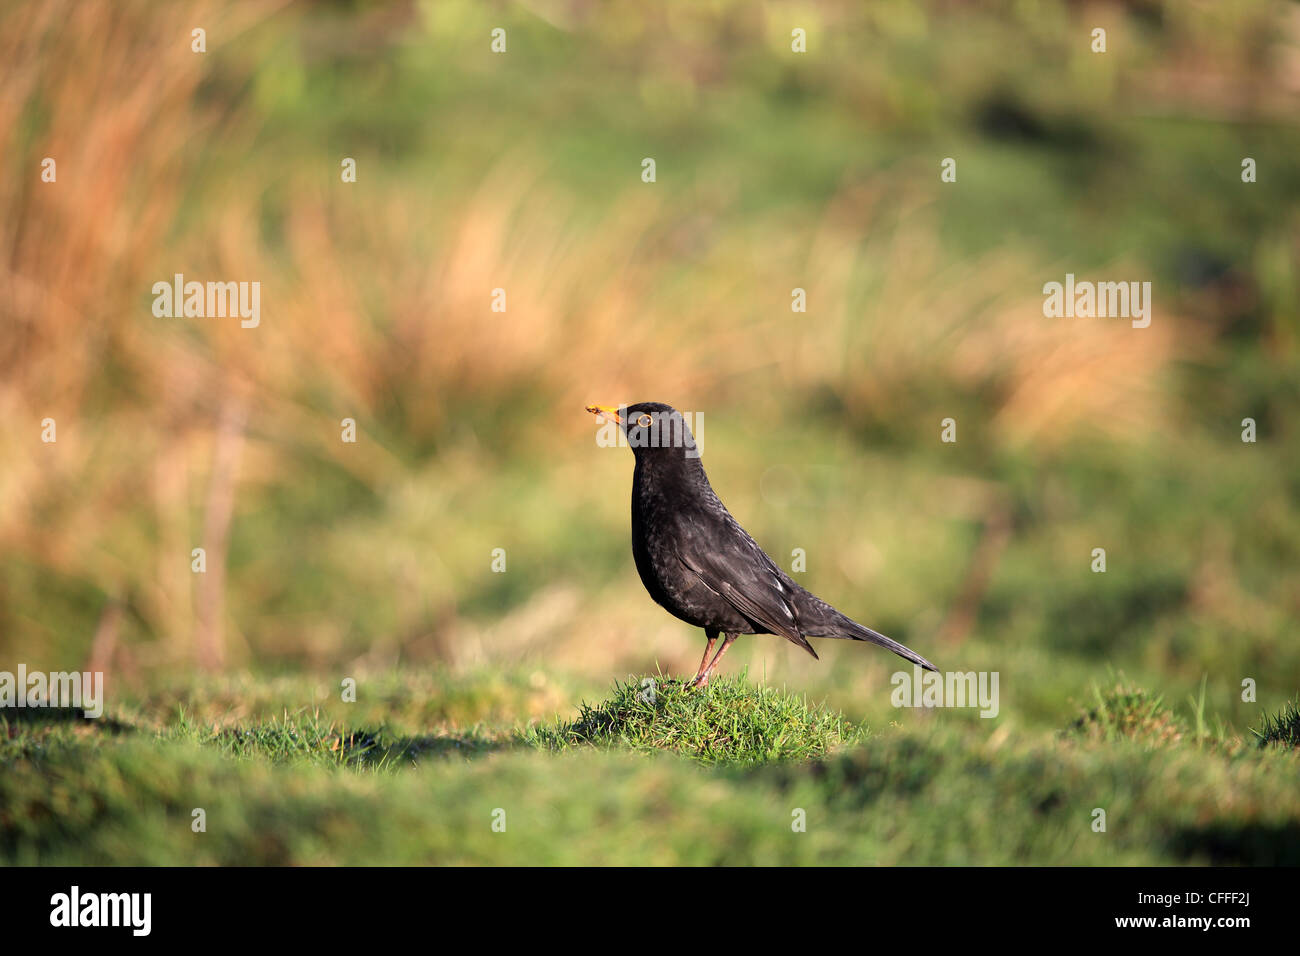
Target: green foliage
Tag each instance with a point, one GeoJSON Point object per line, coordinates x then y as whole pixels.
{"type": "Point", "coordinates": [1127, 713]}
{"type": "Point", "coordinates": [739, 765]}
{"type": "Point", "coordinates": [1282, 728]}
{"type": "Point", "coordinates": [728, 722]}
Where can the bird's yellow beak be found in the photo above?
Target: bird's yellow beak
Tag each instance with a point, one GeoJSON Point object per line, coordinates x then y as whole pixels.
{"type": "Point", "coordinates": [605, 411]}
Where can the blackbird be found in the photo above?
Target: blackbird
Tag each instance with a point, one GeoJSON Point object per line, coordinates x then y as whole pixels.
{"type": "Point", "coordinates": [699, 563]}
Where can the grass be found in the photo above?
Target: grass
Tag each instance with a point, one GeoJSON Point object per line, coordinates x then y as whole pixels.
{"type": "Point", "coordinates": [1127, 713]}
{"type": "Point", "coordinates": [719, 777]}
{"type": "Point", "coordinates": [1282, 728]}
{"type": "Point", "coordinates": [730, 722]}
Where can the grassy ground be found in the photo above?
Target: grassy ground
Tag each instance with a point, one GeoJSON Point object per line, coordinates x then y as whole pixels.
{"type": "Point", "coordinates": [737, 774]}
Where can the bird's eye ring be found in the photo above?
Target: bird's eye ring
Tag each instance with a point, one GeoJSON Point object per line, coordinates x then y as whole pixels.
{"type": "Point", "coordinates": [644, 420]}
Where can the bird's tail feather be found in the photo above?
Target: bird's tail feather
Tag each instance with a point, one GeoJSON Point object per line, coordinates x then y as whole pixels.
{"type": "Point", "coordinates": [859, 633]}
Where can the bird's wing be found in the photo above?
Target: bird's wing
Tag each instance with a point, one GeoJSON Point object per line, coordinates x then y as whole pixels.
{"type": "Point", "coordinates": [728, 561]}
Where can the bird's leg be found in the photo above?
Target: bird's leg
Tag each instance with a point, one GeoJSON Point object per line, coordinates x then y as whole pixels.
{"type": "Point", "coordinates": [703, 678]}
{"type": "Point", "coordinates": [712, 636]}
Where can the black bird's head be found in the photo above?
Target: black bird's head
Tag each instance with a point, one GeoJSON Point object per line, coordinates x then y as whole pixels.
{"type": "Point", "coordinates": [654, 431]}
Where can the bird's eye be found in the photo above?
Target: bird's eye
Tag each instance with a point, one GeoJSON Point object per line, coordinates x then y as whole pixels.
{"type": "Point", "coordinates": [644, 420]}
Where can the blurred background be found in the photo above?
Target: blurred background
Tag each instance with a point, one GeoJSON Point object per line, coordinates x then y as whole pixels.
{"type": "Point", "coordinates": [775, 170]}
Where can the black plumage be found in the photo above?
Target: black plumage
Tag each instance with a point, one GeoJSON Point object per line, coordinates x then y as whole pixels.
{"type": "Point", "coordinates": [699, 563]}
